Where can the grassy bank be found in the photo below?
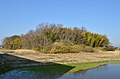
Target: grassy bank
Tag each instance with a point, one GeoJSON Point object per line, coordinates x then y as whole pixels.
{"type": "Point", "coordinates": [63, 68]}
{"type": "Point", "coordinates": [61, 60]}
{"type": "Point", "coordinates": [90, 65]}
{"type": "Point", "coordinates": [70, 68]}
{"type": "Point", "coordinates": [76, 66]}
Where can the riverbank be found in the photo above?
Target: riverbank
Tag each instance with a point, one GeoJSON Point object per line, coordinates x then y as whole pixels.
{"type": "Point", "coordinates": [63, 72]}
{"type": "Point", "coordinates": [74, 67]}
{"type": "Point", "coordinates": [63, 68]}
{"type": "Point", "coordinates": [76, 61]}
{"type": "Point", "coordinates": [89, 65]}
{"type": "Point", "coordinates": [63, 58]}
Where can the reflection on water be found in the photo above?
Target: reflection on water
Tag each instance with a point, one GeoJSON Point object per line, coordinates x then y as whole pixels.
{"type": "Point", "coordinates": [42, 72]}
{"type": "Point", "coordinates": [28, 74]}
{"type": "Point", "coordinates": [110, 71]}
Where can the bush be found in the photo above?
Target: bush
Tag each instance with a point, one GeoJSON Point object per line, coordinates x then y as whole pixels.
{"type": "Point", "coordinates": [109, 48]}
{"type": "Point", "coordinates": [60, 47]}
{"type": "Point", "coordinates": [65, 47]}
{"type": "Point", "coordinates": [88, 49]}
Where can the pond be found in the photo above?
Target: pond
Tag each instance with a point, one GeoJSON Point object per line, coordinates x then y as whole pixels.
{"type": "Point", "coordinates": [111, 71]}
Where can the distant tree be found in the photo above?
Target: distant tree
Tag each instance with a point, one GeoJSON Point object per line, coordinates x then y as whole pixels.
{"type": "Point", "coordinates": [13, 42]}
{"type": "Point", "coordinates": [46, 35]}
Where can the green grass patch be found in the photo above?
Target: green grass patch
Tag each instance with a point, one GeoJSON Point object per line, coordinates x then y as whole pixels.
{"type": "Point", "coordinates": [89, 65]}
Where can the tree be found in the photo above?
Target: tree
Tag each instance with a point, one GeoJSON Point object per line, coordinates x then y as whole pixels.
{"type": "Point", "coordinates": [13, 42]}
{"type": "Point", "coordinates": [46, 35]}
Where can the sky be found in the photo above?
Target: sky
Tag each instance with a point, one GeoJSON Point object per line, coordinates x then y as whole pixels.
{"type": "Point", "coordinates": [98, 16]}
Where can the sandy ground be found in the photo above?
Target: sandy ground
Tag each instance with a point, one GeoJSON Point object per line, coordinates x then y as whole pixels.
{"type": "Point", "coordinates": [67, 57]}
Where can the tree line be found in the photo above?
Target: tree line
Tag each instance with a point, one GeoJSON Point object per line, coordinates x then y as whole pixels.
{"type": "Point", "coordinates": [47, 35]}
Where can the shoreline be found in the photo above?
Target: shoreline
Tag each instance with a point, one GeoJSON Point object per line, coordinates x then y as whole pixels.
{"type": "Point", "coordinates": [80, 61]}
{"type": "Point", "coordinates": [90, 65]}
{"type": "Point", "coordinates": [76, 66]}
{"type": "Point", "coordinates": [61, 58]}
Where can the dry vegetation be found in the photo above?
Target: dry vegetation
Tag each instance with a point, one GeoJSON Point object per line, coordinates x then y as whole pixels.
{"type": "Point", "coordinates": [66, 57]}
{"type": "Point", "coordinates": [61, 45]}
{"type": "Point", "coordinates": [55, 38]}
{"type": "Point", "coordinates": [18, 51]}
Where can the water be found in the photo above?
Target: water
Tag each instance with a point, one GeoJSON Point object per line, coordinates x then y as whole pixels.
{"type": "Point", "coordinates": [111, 71]}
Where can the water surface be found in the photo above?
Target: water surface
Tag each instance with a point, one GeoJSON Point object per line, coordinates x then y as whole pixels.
{"type": "Point", "coordinates": [111, 71]}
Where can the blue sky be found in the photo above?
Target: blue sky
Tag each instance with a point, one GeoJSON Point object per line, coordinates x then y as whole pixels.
{"type": "Point", "coordinates": [99, 16]}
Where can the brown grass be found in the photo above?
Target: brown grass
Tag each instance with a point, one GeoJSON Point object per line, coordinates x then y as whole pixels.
{"type": "Point", "coordinates": [66, 57]}
{"type": "Point", "coordinates": [18, 51]}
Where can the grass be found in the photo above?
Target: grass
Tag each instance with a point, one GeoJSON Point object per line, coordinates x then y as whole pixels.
{"type": "Point", "coordinates": [71, 68]}
{"type": "Point", "coordinates": [90, 65]}
{"type": "Point", "coordinates": [65, 68]}
{"type": "Point", "coordinates": [79, 58]}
